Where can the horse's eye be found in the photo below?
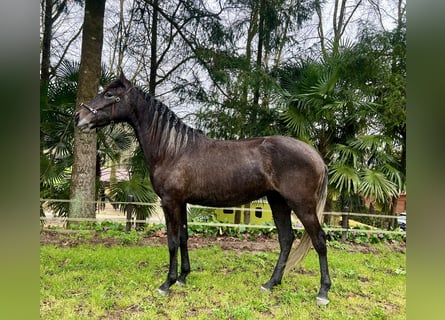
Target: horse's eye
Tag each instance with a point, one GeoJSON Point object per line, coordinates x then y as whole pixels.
{"type": "Point", "coordinates": [108, 95]}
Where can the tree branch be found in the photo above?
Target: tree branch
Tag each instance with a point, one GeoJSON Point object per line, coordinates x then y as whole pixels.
{"type": "Point", "coordinates": [191, 44]}
{"type": "Point", "coordinates": [67, 47]}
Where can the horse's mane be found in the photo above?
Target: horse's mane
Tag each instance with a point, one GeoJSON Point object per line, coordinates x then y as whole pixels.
{"type": "Point", "coordinates": [165, 128]}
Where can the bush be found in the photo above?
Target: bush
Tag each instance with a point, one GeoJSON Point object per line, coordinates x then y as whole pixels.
{"type": "Point", "coordinates": [357, 235]}
{"type": "Point", "coordinates": [360, 235]}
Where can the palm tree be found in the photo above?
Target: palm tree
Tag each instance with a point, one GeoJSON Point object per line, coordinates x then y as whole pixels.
{"type": "Point", "coordinates": [325, 105]}
{"type": "Point", "coordinates": [365, 166]}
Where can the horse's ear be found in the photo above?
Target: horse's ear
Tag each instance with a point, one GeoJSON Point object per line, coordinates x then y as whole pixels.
{"type": "Point", "coordinates": [124, 80]}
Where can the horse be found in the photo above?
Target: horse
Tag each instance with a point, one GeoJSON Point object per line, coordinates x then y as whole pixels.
{"type": "Point", "coordinates": [185, 166]}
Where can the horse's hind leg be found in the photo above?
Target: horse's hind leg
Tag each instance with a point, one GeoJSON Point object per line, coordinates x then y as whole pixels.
{"type": "Point", "coordinates": [318, 237]}
{"type": "Point", "coordinates": [281, 213]}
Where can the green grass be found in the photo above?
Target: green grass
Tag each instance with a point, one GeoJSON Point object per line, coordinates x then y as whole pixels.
{"type": "Point", "coordinates": [120, 282]}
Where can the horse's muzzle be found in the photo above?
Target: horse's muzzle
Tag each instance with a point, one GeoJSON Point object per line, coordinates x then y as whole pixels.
{"type": "Point", "coordinates": [82, 124]}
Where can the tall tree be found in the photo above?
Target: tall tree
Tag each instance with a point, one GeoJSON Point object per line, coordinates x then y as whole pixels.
{"type": "Point", "coordinates": [83, 179]}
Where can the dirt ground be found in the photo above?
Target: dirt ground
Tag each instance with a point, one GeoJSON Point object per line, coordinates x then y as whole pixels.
{"type": "Point", "coordinates": [68, 238]}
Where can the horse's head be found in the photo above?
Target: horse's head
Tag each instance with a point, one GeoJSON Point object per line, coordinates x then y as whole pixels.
{"type": "Point", "coordinates": [111, 105]}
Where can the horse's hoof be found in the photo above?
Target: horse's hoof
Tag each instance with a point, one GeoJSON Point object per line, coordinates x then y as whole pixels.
{"type": "Point", "coordinates": [263, 288]}
{"type": "Point", "coordinates": [180, 283]}
{"type": "Point", "coordinates": [322, 301]}
{"type": "Point", "coordinates": [163, 292]}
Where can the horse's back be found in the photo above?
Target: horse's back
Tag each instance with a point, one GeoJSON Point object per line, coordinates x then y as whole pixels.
{"type": "Point", "coordinates": [270, 154]}
{"type": "Point", "coordinates": [295, 169]}
{"type": "Point", "coordinates": [288, 150]}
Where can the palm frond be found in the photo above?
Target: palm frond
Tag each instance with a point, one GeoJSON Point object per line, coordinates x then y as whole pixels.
{"type": "Point", "coordinates": [344, 178]}
{"type": "Point", "coordinates": [140, 189]}
{"type": "Point", "coordinates": [345, 154]}
{"type": "Point", "coordinates": [297, 121]}
{"type": "Point", "coordinates": [68, 71]}
{"type": "Point", "coordinates": [372, 142]}
{"type": "Point", "coordinates": [113, 140]}
{"type": "Point", "coordinates": [374, 185]}
{"type": "Point", "coordinates": [60, 190]}
{"type": "Point", "coordinates": [394, 175]}
{"type": "Point", "coordinates": [138, 164]}
{"type": "Point", "coordinates": [52, 173]}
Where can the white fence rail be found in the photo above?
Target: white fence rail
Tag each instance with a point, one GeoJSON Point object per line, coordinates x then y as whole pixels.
{"type": "Point", "coordinates": [218, 224]}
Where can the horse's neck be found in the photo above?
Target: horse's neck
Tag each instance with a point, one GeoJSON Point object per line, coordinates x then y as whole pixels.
{"type": "Point", "coordinates": [159, 131]}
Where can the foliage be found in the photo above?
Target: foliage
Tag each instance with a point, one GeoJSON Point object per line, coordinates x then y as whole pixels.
{"type": "Point", "coordinates": [235, 117]}
{"type": "Point", "coordinates": [331, 104]}
{"type": "Point", "coordinates": [131, 237]}
{"type": "Point", "coordinates": [140, 189]}
{"type": "Point", "coordinates": [359, 235]}
{"type": "Point", "coordinates": [240, 232]}
{"type": "Point", "coordinates": [109, 229]}
{"type": "Point", "coordinates": [56, 141]}
{"type": "Point", "coordinates": [200, 214]}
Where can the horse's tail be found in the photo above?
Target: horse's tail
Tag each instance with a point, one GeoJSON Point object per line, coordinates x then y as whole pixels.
{"type": "Point", "coordinates": [297, 255]}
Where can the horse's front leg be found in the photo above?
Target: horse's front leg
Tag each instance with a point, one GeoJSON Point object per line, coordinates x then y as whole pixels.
{"type": "Point", "coordinates": [185, 262]}
{"type": "Point", "coordinates": [172, 219]}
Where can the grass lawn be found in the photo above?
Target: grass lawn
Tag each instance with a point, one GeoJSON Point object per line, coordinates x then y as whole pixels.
{"type": "Point", "coordinates": [93, 281]}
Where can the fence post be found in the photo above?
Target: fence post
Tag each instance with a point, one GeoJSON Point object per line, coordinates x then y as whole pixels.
{"type": "Point", "coordinates": [247, 213]}
{"type": "Point", "coordinates": [129, 210]}
{"type": "Point", "coordinates": [237, 219]}
{"type": "Point", "coordinates": [345, 224]}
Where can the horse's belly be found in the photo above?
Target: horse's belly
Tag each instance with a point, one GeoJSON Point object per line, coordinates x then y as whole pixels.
{"type": "Point", "coordinates": [224, 201]}
{"type": "Point", "coordinates": [218, 180]}
{"type": "Point", "coordinates": [229, 193]}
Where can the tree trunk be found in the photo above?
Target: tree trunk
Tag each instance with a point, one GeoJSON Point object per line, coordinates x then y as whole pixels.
{"type": "Point", "coordinates": [320, 29]}
{"type": "Point", "coordinates": [341, 19]}
{"type": "Point", "coordinates": [284, 33]}
{"type": "Point", "coordinates": [83, 178]}
{"type": "Point", "coordinates": [392, 222]}
{"type": "Point", "coordinates": [46, 44]}
{"type": "Point", "coordinates": [153, 50]}
{"type": "Point", "coordinates": [253, 28]}
{"type": "Point", "coordinates": [259, 57]}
